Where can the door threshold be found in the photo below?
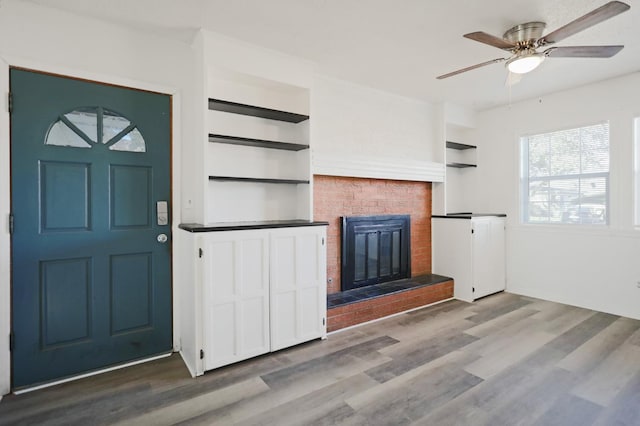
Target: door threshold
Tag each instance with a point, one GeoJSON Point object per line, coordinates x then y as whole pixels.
{"type": "Point", "coordinates": [92, 373]}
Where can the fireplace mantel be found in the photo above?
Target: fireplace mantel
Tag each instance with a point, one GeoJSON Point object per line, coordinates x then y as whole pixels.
{"type": "Point", "coordinates": [377, 168]}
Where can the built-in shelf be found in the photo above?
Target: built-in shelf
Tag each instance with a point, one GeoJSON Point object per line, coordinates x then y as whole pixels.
{"type": "Point", "coordinates": [460, 146]}
{"type": "Point", "coordinates": [256, 180]}
{"type": "Point", "coordinates": [255, 111]}
{"type": "Point", "coordinates": [260, 143]}
{"type": "Point", "coordinates": [461, 165]}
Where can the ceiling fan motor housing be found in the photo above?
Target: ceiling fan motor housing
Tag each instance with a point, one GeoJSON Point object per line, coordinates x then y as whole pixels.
{"type": "Point", "coordinates": [525, 34]}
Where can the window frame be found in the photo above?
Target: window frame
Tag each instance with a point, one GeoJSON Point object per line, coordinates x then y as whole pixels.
{"type": "Point", "coordinates": [525, 179]}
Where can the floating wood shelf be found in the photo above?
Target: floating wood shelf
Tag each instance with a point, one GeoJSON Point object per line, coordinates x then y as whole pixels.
{"type": "Point", "coordinates": [257, 180]}
{"type": "Point", "coordinates": [260, 143]}
{"type": "Point", "coordinates": [460, 146]}
{"type": "Point", "coordinates": [461, 165]}
{"type": "Point", "coordinates": [255, 111]}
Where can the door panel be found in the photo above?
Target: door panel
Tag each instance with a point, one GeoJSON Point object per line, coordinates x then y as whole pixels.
{"type": "Point", "coordinates": [298, 285]}
{"type": "Point", "coordinates": [65, 194]}
{"type": "Point", "coordinates": [130, 197]}
{"type": "Point", "coordinates": [131, 292]}
{"type": "Point", "coordinates": [91, 285]}
{"type": "Point", "coordinates": [66, 301]}
{"type": "Point", "coordinates": [236, 296]}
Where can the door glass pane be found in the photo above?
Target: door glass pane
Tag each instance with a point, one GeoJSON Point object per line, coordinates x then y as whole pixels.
{"type": "Point", "coordinates": [395, 254]}
{"type": "Point", "coordinates": [132, 142]}
{"type": "Point", "coordinates": [385, 254]}
{"type": "Point", "coordinates": [112, 124]}
{"type": "Point", "coordinates": [372, 255]}
{"type": "Point", "coordinates": [61, 135]}
{"type": "Point", "coordinates": [85, 119]}
{"type": "Point", "coordinates": [360, 257]}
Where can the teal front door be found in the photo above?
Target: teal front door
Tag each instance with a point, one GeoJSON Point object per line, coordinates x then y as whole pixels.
{"type": "Point", "coordinates": [91, 257]}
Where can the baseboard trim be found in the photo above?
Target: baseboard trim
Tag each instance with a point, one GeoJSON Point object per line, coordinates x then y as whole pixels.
{"type": "Point", "coordinates": [93, 373]}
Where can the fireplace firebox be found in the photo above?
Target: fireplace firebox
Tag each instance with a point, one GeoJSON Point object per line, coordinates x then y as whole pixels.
{"type": "Point", "coordinates": [375, 249]}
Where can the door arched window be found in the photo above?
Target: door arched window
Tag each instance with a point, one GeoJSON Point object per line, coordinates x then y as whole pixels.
{"type": "Point", "coordinates": [87, 127]}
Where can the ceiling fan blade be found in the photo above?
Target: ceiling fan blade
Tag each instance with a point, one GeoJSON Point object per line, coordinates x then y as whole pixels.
{"type": "Point", "coordinates": [592, 18]}
{"type": "Point", "coordinates": [472, 67]}
{"type": "Point", "coordinates": [583, 51]}
{"type": "Point", "coordinates": [491, 40]}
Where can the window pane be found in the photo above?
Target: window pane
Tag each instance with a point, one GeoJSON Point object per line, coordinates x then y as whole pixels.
{"type": "Point", "coordinates": [61, 135]}
{"type": "Point", "coordinates": [567, 176]}
{"type": "Point", "coordinates": [112, 124]}
{"type": "Point", "coordinates": [85, 119]}
{"type": "Point", "coordinates": [132, 142]}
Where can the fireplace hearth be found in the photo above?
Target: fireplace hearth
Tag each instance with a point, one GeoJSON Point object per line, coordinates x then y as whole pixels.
{"type": "Point", "coordinates": [375, 249]}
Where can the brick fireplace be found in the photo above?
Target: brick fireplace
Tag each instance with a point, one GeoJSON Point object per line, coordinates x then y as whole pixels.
{"type": "Point", "coordinates": [335, 197]}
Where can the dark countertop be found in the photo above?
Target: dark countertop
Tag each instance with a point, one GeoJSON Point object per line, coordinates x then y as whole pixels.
{"type": "Point", "coordinates": [239, 226]}
{"type": "Point", "coordinates": [467, 215]}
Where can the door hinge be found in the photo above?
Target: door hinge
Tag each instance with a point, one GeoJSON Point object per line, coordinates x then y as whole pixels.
{"type": "Point", "coordinates": [200, 252]}
{"type": "Point", "coordinates": [10, 102]}
{"type": "Point", "coordinates": [11, 223]}
{"type": "Point", "coordinates": [473, 289]}
{"type": "Point", "coordinates": [322, 240]}
{"type": "Point", "coordinates": [472, 231]}
{"type": "Point", "coordinates": [201, 354]}
{"type": "Point", "coordinates": [12, 341]}
{"type": "Point", "coordinates": [323, 321]}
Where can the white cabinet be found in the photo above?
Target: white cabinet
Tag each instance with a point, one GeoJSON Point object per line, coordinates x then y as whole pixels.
{"type": "Point", "coordinates": [470, 249]}
{"type": "Point", "coordinates": [263, 290]}
{"type": "Point", "coordinates": [236, 296]}
{"type": "Point", "coordinates": [298, 286]}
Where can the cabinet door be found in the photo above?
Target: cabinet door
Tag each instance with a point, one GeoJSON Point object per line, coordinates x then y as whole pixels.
{"type": "Point", "coordinates": [236, 296]}
{"type": "Point", "coordinates": [488, 256]}
{"type": "Point", "coordinates": [298, 288]}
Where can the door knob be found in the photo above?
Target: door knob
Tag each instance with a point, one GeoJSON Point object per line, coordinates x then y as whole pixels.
{"type": "Point", "coordinates": [162, 238]}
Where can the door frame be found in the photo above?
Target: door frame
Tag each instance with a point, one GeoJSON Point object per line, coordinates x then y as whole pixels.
{"type": "Point", "coordinates": [5, 189]}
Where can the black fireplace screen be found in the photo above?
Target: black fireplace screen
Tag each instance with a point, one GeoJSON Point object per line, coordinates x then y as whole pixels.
{"type": "Point", "coordinates": [375, 249]}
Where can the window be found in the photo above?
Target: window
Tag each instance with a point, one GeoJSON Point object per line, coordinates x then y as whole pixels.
{"type": "Point", "coordinates": [79, 129]}
{"type": "Point", "coordinates": [565, 176]}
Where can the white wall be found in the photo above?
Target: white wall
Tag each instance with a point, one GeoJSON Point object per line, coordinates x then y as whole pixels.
{"type": "Point", "coordinates": [353, 125]}
{"type": "Point", "coordinates": [44, 39]}
{"type": "Point", "coordinates": [592, 267]}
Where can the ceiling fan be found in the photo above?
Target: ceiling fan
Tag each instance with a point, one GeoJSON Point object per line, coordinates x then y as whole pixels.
{"type": "Point", "coordinates": [524, 40]}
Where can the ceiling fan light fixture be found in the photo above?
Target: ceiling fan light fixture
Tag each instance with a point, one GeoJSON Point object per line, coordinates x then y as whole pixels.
{"type": "Point", "coordinates": [525, 63]}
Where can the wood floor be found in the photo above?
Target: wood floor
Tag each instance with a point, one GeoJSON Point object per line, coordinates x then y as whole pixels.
{"type": "Point", "coordinates": [505, 360]}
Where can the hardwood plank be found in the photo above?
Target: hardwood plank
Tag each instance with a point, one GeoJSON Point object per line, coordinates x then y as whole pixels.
{"type": "Point", "coordinates": [321, 367]}
{"type": "Point", "coordinates": [419, 354]}
{"type": "Point", "coordinates": [570, 340]}
{"type": "Point", "coordinates": [397, 384]}
{"type": "Point", "coordinates": [594, 351]}
{"type": "Point", "coordinates": [610, 376]}
{"type": "Point", "coordinates": [510, 352]}
{"type": "Point", "coordinates": [173, 413]}
{"type": "Point", "coordinates": [489, 314]}
{"type": "Point", "coordinates": [625, 407]}
{"type": "Point", "coordinates": [568, 410]}
{"type": "Point", "coordinates": [495, 325]}
{"type": "Point", "coordinates": [327, 403]}
{"type": "Point", "coordinates": [419, 396]}
{"type": "Point", "coordinates": [531, 400]}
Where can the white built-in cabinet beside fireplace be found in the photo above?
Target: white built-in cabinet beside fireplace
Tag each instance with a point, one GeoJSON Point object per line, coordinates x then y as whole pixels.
{"type": "Point", "coordinates": [259, 265]}
{"type": "Point", "coordinates": [470, 249]}
{"type": "Point", "coordinates": [264, 290]}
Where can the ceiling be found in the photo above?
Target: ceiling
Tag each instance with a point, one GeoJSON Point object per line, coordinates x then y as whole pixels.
{"type": "Point", "coordinates": [391, 45]}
